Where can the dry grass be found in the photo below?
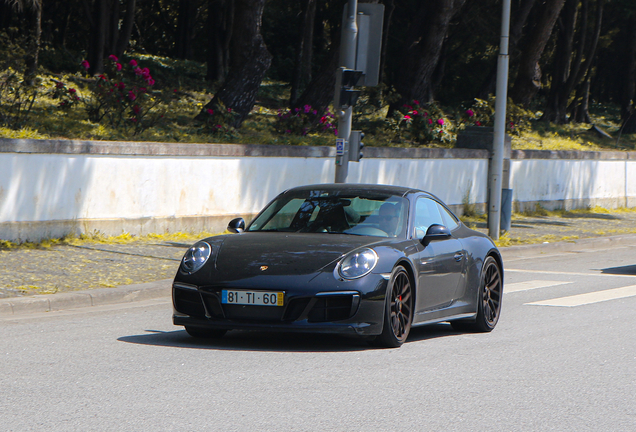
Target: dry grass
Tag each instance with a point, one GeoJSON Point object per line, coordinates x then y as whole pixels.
{"type": "Point", "coordinates": [96, 237]}
{"type": "Point", "coordinates": [506, 240]}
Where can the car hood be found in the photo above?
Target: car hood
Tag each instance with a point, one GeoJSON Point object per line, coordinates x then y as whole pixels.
{"type": "Point", "coordinates": [275, 254]}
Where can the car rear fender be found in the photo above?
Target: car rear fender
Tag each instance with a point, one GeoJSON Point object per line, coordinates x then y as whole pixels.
{"type": "Point", "coordinates": [497, 256]}
{"type": "Point", "coordinates": [474, 274]}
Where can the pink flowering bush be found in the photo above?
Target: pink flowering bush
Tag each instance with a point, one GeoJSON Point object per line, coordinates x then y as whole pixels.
{"type": "Point", "coordinates": [482, 113]}
{"type": "Point", "coordinates": [124, 96]}
{"type": "Point", "coordinates": [422, 124]}
{"type": "Point", "coordinates": [218, 121]}
{"type": "Point", "coordinates": [305, 120]}
{"type": "Point", "coordinates": [68, 97]}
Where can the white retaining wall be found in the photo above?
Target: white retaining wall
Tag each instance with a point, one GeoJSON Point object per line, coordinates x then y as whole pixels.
{"type": "Point", "coordinates": [53, 188]}
{"type": "Point", "coordinates": [574, 183]}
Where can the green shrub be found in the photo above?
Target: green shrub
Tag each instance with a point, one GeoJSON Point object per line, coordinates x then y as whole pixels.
{"type": "Point", "coordinates": [219, 121]}
{"type": "Point", "coordinates": [17, 98]}
{"type": "Point", "coordinates": [306, 120]}
{"type": "Point", "coordinates": [423, 124]}
{"type": "Point", "coordinates": [124, 97]}
{"type": "Point", "coordinates": [68, 97]}
{"type": "Point", "coordinates": [482, 113]}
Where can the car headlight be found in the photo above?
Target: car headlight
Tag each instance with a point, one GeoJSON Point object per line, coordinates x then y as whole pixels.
{"type": "Point", "coordinates": [358, 264]}
{"type": "Point", "coordinates": [195, 257]}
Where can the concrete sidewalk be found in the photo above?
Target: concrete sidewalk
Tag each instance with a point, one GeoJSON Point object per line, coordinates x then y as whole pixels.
{"type": "Point", "coordinates": [105, 272]}
{"type": "Point", "coordinates": [82, 299]}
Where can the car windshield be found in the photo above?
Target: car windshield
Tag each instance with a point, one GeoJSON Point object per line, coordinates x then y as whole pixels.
{"type": "Point", "coordinates": [341, 212]}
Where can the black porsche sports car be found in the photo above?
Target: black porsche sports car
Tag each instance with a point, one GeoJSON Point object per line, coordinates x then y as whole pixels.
{"type": "Point", "coordinates": [341, 258]}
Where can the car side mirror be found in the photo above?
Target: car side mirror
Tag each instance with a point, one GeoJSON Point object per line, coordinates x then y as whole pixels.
{"type": "Point", "coordinates": [436, 232]}
{"type": "Point", "coordinates": [236, 225]}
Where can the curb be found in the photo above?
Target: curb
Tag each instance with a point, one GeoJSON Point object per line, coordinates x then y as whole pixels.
{"type": "Point", "coordinates": [81, 299]}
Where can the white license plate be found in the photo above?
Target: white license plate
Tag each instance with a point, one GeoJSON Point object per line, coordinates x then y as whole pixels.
{"type": "Point", "coordinates": [258, 298]}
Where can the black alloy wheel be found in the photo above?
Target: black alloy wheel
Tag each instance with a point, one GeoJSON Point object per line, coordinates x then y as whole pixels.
{"type": "Point", "coordinates": [489, 301]}
{"type": "Point", "coordinates": [398, 314]}
{"type": "Point", "coordinates": [205, 333]}
{"type": "Point", "coordinates": [491, 295]}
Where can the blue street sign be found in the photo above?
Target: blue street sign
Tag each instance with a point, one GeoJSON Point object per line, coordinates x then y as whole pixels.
{"type": "Point", "coordinates": [340, 146]}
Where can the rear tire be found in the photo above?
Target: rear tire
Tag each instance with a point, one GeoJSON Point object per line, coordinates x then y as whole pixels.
{"type": "Point", "coordinates": [398, 313]}
{"type": "Point", "coordinates": [205, 333]}
{"type": "Point", "coordinates": [489, 301]}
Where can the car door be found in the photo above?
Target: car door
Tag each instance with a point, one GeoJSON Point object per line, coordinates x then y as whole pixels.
{"type": "Point", "coordinates": [439, 263]}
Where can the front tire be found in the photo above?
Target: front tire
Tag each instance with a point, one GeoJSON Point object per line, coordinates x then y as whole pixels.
{"type": "Point", "coordinates": [489, 301]}
{"type": "Point", "coordinates": [398, 314]}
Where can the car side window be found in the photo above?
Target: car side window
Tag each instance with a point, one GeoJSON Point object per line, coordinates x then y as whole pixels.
{"type": "Point", "coordinates": [426, 214]}
{"type": "Point", "coordinates": [449, 220]}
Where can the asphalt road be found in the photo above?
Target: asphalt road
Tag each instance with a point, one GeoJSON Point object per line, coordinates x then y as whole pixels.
{"type": "Point", "coordinates": [563, 358]}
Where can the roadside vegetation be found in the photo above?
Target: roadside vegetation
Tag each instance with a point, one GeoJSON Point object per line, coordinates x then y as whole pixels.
{"type": "Point", "coordinates": [589, 222]}
{"type": "Point", "coordinates": [97, 237]}
{"type": "Point", "coordinates": [257, 72]}
{"type": "Point", "coordinates": [121, 105]}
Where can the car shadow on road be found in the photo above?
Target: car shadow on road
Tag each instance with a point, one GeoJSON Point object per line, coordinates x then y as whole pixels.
{"type": "Point", "coordinates": [239, 340]}
{"type": "Point", "coordinates": [623, 270]}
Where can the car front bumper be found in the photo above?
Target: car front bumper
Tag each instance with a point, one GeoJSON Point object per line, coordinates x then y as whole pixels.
{"type": "Point", "coordinates": [322, 305]}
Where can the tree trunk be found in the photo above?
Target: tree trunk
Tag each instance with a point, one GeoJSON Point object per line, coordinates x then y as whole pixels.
{"type": "Point", "coordinates": [185, 25]}
{"type": "Point", "coordinates": [33, 49]}
{"type": "Point", "coordinates": [248, 65]}
{"type": "Point", "coordinates": [528, 81]}
{"type": "Point", "coordinates": [5, 14]}
{"type": "Point", "coordinates": [302, 66]}
{"type": "Point", "coordinates": [126, 28]}
{"type": "Point", "coordinates": [98, 36]}
{"type": "Point", "coordinates": [106, 36]}
{"type": "Point", "coordinates": [421, 56]}
{"type": "Point", "coordinates": [113, 28]}
{"type": "Point", "coordinates": [66, 13]}
{"type": "Point", "coordinates": [564, 67]}
{"type": "Point", "coordinates": [319, 93]}
{"type": "Point", "coordinates": [220, 23]}
{"type": "Point", "coordinates": [389, 8]}
{"type": "Point", "coordinates": [580, 112]}
{"type": "Point", "coordinates": [581, 79]}
{"type": "Point", "coordinates": [519, 19]}
{"type": "Point", "coordinates": [628, 107]}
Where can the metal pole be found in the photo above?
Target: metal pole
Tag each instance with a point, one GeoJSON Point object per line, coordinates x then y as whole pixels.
{"type": "Point", "coordinates": [347, 60]}
{"type": "Point", "coordinates": [496, 164]}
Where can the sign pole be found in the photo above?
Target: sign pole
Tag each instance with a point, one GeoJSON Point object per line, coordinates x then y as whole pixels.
{"type": "Point", "coordinates": [345, 114]}
{"type": "Point", "coordinates": [497, 157]}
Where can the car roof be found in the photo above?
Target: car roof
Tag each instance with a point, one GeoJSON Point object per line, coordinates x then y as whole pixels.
{"type": "Point", "coordinates": [353, 188]}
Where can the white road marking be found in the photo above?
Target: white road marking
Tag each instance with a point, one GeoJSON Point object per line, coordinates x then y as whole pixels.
{"type": "Point", "coordinates": [589, 298]}
{"type": "Point", "coordinates": [530, 285]}
{"type": "Point", "coordinates": [567, 273]}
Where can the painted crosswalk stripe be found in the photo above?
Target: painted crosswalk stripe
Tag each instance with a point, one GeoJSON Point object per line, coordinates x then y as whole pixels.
{"type": "Point", "coordinates": [530, 285]}
{"type": "Point", "coordinates": [589, 298]}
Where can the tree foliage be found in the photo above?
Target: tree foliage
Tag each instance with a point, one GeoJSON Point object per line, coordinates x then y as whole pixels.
{"type": "Point", "coordinates": [563, 53]}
